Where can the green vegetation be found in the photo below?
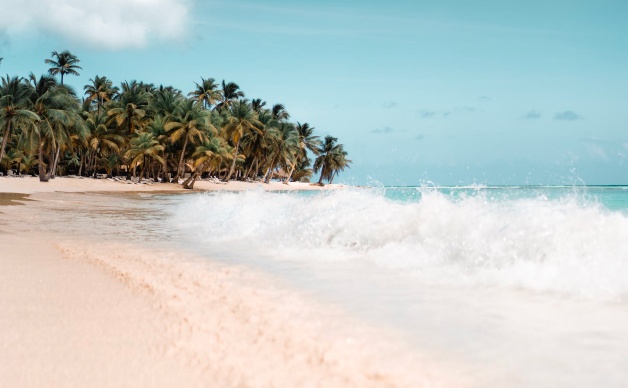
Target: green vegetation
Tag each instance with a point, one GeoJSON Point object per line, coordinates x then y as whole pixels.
{"type": "Point", "coordinates": [148, 132]}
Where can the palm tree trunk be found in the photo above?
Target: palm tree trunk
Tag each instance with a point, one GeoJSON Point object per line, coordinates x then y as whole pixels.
{"type": "Point", "coordinates": [189, 183]}
{"type": "Point", "coordinates": [53, 173]}
{"type": "Point", "coordinates": [142, 170]}
{"type": "Point", "coordinates": [40, 162]}
{"type": "Point", "coordinates": [233, 163]}
{"type": "Point", "coordinates": [81, 163]}
{"type": "Point", "coordinates": [179, 170]}
{"type": "Point", "coordinates": [5, 139]}
{"type": "Point", "coordinates": [289, 175]}
{"type": "Point", "coordinates": [269, 174]}
{"type": "Point", "coordinates": [248, 172]}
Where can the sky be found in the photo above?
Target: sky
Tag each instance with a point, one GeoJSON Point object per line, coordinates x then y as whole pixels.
{"type": "Point", "coordinates": [418, 92]}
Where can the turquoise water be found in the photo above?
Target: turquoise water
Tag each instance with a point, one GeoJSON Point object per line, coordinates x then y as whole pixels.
{"type": "Point", "coordinates": [611, 197]}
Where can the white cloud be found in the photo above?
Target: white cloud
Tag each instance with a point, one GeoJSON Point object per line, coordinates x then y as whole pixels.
{"type": "Point", "coordinates": [111, 24]}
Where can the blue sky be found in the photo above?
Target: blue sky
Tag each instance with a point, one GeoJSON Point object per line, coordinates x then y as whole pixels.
{"type": "Point", "coordinates": [451, 92]}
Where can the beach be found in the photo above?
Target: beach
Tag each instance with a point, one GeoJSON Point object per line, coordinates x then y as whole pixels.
{"type": "Point", "coordinates": [476, 286]}
{"type": "Point", "coordinates": [83, 308]}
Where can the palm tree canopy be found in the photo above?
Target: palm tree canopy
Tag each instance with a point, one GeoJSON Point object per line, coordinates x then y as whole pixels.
{"type": "Point", "coordinates": [332, 158]}
{"type": "Point", "coordinates": [144, 145]}
{"type": "Point", "coordinates": [65, 63]}
{"type": "Point", "coordinates": [206, 92]}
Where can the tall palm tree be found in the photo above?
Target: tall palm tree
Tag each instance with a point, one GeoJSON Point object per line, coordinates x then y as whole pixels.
{"type": "Point", "coordinates": [206, 92]}
{"type": "Point", "coordinates": [13, 108]}
{"type": "Point", "coordinates": [242, 120]}
{"type": "Point", "coordinates": [66, 63]}
{"type": "Point", "coordinates": [192, 124]}
{"type": "Point", "coordinates": [143, 149]}
{"type": "Point", "coordinates": [100, 90]}
{"type": "Point", "coordinates": [332, 159]}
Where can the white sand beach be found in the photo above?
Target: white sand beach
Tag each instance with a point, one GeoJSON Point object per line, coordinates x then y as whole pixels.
{"type": "Point", "coordinates": [77, 311]}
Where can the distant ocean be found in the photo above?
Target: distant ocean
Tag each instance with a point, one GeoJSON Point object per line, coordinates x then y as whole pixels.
{"type": "Point", "coordinates": [518, 286]}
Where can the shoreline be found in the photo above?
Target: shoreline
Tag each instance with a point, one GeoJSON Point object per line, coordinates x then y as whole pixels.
{"type": "Point", "coordinates": [31, 185]}
{"type": "Point", "coordinates": [102, 313]}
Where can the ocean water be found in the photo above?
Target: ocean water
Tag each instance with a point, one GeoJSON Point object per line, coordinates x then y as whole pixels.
{"type": "Point", "coordinates": [520, 286]}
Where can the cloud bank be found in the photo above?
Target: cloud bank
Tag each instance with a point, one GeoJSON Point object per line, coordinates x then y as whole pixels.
{"type": "Point", "coordinates": [111, 24]}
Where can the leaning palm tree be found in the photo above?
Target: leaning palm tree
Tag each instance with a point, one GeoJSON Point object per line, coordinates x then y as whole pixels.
{"type": "Point", "coordinates": [206, 92]}
{"type": "Point", "coordinates": [242, 120]}
{"type": "Point", "coordinates": [66, 63]}
{"type": "Point", "coordinates": [14, 112]}
{"type": "Point", "coordinates": [332, 158]}
{"type": "Point", "coordinates": [192, 124]}
{"type": "Point", "coordinates": [212, 151]}
{"type": "Point", "coordinates": [143, 149]}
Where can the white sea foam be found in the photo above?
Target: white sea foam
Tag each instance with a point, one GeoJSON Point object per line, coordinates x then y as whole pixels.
{"type": "Point", "coordinates": [566, 245]}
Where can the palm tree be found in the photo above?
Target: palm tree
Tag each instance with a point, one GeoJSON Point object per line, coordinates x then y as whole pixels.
{"type": "Point", "coordinates": [279, 112]}
{"type": "Point", "coordinates": [206, 92]}
{"type": "Point", "coordinates": [13, 110]}
{"type": "Point", "coordinates": [102, 143]}
{"type": "Point", "coordinates": [307, 141]}
{"type": "Point", "coordinates": [257, 143]}
{"type": "Point", "coordinates": [283, 150]}
{"type": "Point", "coordinates": [164, 102]}
{"type": "Point", "coordinates": [258, 104]}
{"type": "Point", "coordinates": [66, 63]}
{"type": "Point", "coordinates": [191, 123]}
{"type": "Point", "coordinates": [56, 108]}
{"type": "Point", "coordinates": [332, 158]}
{"type": "Point", "coordinates": [10, 157]}
{"type": "Point", "coordinates": [242, 120]}
{"type": "Point", "coordinates": [230, 92]}
{"type": "Point", "coordinates": [212, 151]}
{"type": "Point", "coordinates": [100, 90]}
{"type": "Point", "coordinates": [130, 110]}
{"type": "Point", "coordinates": [142, 149]}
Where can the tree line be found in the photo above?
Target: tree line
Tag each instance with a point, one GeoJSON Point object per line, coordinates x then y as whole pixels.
{"type": "Point", "coordinates": [143, 131]}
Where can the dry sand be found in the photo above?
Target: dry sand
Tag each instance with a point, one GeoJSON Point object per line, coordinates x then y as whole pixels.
{"type": "Point", "coordinates": [30, 185]}
{"type": "Point", "coordinates": [76, 312]}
